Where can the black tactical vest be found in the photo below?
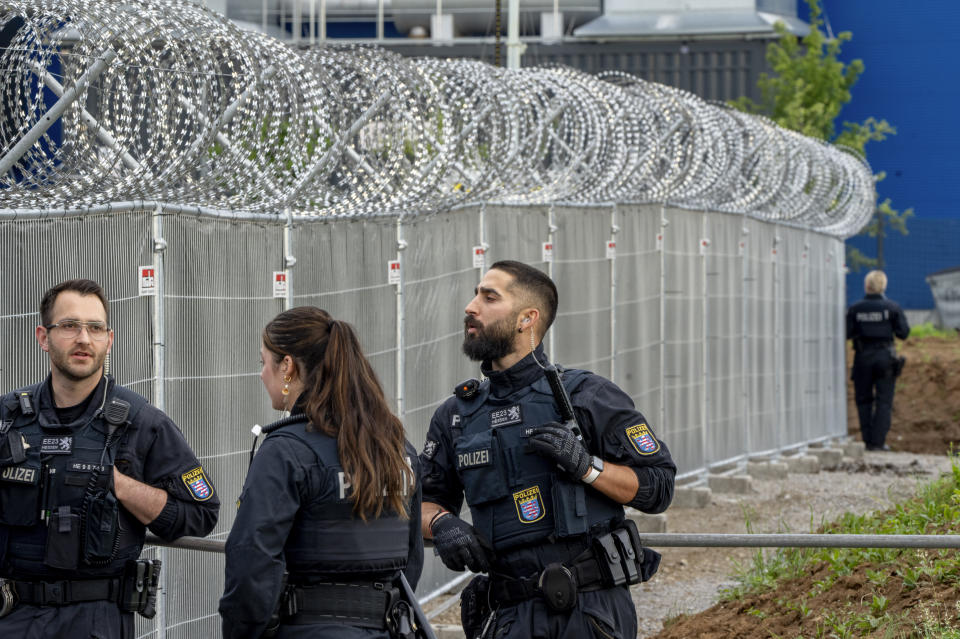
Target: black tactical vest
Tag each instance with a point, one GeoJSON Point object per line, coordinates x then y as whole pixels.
{"type": "Point", "coordinates": [327, 536]}
{"type": "Point", "coordinates": [516, 496]}
{"type": "Point", "coordinates": [56, 501]}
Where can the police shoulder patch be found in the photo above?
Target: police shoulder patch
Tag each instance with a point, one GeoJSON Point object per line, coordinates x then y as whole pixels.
{"type": "Point", "coordinates": [529, 503]}
{"type": "Point", "coordinates": [642, 439]}
{"type": "Point", "coordinates": [197, 483]}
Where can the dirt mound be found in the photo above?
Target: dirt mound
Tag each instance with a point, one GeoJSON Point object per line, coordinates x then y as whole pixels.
{"type": "Point", "coordinates": [926, 406]}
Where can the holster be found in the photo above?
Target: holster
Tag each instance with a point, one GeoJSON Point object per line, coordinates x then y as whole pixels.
{"type": "Point", "coordinates": [898, 364]}
{"type": "Point", "coordinates": [474, 607]}
{"type": "Point", "coordinates": [141, 579]}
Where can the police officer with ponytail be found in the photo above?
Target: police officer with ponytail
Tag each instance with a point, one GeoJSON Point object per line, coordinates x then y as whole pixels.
{"type": "Point", "coordinates": [872, 323]}
{"type": "Point", "coordinates": [86, 467]}
{"type": "Point", "coordinates": [546, 490]}
{"type": "Point", "coordinates": [329, 515]}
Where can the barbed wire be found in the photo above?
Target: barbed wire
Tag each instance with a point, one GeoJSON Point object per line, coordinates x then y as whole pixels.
{"type": "Point", "coordinates": [164, 100]}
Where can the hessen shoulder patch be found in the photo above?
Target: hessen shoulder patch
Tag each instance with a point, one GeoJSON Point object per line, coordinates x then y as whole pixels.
{"type": "Point", "coordinates": [197, 483]}
{"type": "Point", "coordinates": [529, 505]}
{"type": "Point", "coordinates": [642, 439]}
{"type": "Point", "coordinates": [506, 416]}
{"type": "Point", "coordinates": [430, 449]}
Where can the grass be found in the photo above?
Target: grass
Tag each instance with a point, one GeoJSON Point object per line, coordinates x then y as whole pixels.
{"type": "Point", "coordinates": [929, 330]}
{"type": "Point", "coordinates": [887, 573]}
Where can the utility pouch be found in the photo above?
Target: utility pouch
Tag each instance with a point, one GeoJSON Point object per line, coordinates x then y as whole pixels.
{"type": "Point", "coordinates": [646, 560]}
{"type": "Point", "coordinates": [63, 539]}
{"type": "Point", "coordinates": [12, 451]}
{"type": "Point", "coordinates": [8, 597]}
{"type": "Point", "coordinates": [474, 607]}
{"type": "Point", "coordinates": [898, 364]}
{"type": "Point", "coordinates": [609, 561]}
{"type": "Point", "coordinates": [100, 511]}
{"type": "Point", "coordinates": [559, 587]}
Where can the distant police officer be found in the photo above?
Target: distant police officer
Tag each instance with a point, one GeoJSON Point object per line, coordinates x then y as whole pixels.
{"type": "Point", "coordinates": [330, 511]}
{"type": "Point", "coordinates": [547, 506]}
{"type": "Point", "coordinates": [872, 324]}
{"type": "Point", "coordinates": [86, 466]}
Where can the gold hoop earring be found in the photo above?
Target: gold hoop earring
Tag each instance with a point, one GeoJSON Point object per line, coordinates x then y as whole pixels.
{"type": "Point", "coordinates": [286, 385]}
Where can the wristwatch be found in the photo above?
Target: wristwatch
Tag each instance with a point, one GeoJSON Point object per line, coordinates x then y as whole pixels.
{"type": "Point", "coordinates": [596, 467]}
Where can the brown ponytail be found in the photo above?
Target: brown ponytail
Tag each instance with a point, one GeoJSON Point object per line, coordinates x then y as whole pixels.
{"type": "Point", "coordinates": [343, 398]}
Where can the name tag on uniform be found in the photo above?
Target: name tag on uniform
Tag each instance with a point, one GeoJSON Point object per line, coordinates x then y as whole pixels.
{"type": "Point", "coordinates": [56, 445]}
{"type": "Point", "coordinates": [85, 467]}
{"type": "Point", "coordinates": [474, 458]}
{"type": "Point", "coordinates": [506, 416]}
{"type": "Point", "coordinates": [20, 475]}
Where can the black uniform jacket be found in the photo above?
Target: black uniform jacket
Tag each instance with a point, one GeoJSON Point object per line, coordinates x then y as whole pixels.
{"type": "Point", "coordinates": [283, 477]}
{"type": "Point", "coordinates": [605, 414]}
{"type": "Point", "coordinates": [874, 321]}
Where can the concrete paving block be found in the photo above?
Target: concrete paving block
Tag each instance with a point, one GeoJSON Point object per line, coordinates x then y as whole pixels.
{"type": "Point", "coordinates": [736, 484]}
{"type": "Point", "coordinates": [647, 523]}
{"type": "Point", "coordinates": [691, 497]}
{"type": "Point", "coordinates": [854, 449]}
{"type": "Point", "coordinates": [803, 464]}
{"type": "Point", "coordinates": [829, 458]}
{"type": "Point", "coordinates": [767, 470]}
{"type": "Point", "coordinates": [448, 631]}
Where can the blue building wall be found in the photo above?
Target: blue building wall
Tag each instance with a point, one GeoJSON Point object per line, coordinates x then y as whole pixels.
{"type": "Point", "coordinates": [910, 52]}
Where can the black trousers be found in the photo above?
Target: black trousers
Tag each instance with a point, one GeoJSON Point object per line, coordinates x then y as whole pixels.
{"type": "Point", "coordinates": [93, 620]}
{"type": "Point", "coordinates": [873, 386]}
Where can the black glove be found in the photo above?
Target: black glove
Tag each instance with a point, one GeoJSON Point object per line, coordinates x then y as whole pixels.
{"type": "Point", "coordinates": [459, 545]}
{"type": "Point", "coordinates": [557, 442]}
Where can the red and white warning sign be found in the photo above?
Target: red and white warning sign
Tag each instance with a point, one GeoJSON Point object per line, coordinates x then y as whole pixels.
{"type": "Point", "coordinates": [281, 283]}
{"type": "Point", "coordinates": [611, 249]}
{"type": "Point", "coordinates": [546, 255]}
{"type": "Point", "coordinates": [393, 272]}
{"type": "Point", "coordinates": [147, 276]}
{"type": "Point", "coordinates": [479, 256]}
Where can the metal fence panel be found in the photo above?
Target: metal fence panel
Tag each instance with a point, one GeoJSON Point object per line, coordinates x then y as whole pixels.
{"type": "Point", "coordinates": [751, 336]}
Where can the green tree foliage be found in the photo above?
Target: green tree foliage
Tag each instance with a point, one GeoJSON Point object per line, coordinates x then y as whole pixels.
{"type": "Point", "coordinates": [807, 90]}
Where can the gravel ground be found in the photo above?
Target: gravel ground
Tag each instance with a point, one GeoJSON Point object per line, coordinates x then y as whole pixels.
{"type": "Point", "coordinates": [690, 579]}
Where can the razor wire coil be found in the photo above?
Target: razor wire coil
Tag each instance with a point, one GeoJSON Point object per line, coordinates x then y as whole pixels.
{"type": "Point", "coordinates": [167, 101]}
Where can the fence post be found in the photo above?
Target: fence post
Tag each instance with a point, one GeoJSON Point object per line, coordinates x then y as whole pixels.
{"type": "Point", "coordinates": [663, 310]}
{"type": "Point", "coordinates": [778, 343]}
{"type": "Point", "coordinates": [744, 347]}
{"type": "Point", "coordinates": [288, 258]}
{"type": "Point", "coordinates": [551, 239]}
{"type": "Point", "coordinates": [159, 340]}
{"type": "Point", "coordinates": [704, 243]}
{"type": "Point", "coordinates": [614, 229]}
{"type": "Point", "coordinates": [401, 321]}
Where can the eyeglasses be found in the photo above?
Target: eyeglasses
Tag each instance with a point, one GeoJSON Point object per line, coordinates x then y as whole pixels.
{"type": "Point", "coordinates": [71, 328]}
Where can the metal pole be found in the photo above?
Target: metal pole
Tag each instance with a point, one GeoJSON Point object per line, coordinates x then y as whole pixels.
{"type": "Point", "coordinates": [552, 238]}
{"type": "Point", "coordinates": [514, 46]}
{"type": "Point", "coordinates": [323, 21]}
{"type": "Point", "coordinates": [159, 340]}
{"type": "Point", "coordinates": [704, 346]}
{"type": "Point", "coordinates": [69, 96]}
{"type": "Point", "coordinates": [297, 23]}
{"type": "Point", "coordinates": [401, 321]}
{"type": "Point", "coordinates": [263, 16]}
{"type": "Point", "coordinates": [288, 259]}
{"type": "Point", "coordinates": [614, 229]}
{"type": "Point", "coordinates": [312, 29]}
{"type": "Point", "coordinates": [744, 353]}
{"type": "Point", "coordinates": [663, 313]}
{"type": "Point", "coordinates": [380, 23]}
{"type": "Point", "coordinates": [777, 346]}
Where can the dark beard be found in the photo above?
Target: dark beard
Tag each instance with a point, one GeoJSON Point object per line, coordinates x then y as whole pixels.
{"type": "Point", "coordinates": [490, 344]}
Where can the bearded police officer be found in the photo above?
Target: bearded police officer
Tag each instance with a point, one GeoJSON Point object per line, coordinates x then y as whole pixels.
{"type": "Point", "coordinates": [86, 466]}
{"type": "Point", "coordinates": [872, 324]}
{"type": "Point", "coordinates": [546, 497]}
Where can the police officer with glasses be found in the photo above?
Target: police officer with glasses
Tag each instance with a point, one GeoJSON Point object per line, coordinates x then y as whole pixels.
{"type": "Point", "coordinates": [86, 467]}
{"type": "Point", "coordinates": [546, 491]}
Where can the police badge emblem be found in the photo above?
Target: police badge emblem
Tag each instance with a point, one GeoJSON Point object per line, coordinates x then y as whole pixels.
{"type": "Point", "coordinates": [642, 439]}
{"type": "Point", "coordinates": [196, 482]}
{"type": "Point", "coordinates": [529, 505]}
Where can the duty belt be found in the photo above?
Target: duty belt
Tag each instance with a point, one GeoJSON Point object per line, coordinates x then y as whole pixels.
{"type": "Point", "coordinates": [614, 559]}
{"type": "Point", "coordinates": [358, 604]}
{"type": "Point", "coordinates": [61, 593]}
